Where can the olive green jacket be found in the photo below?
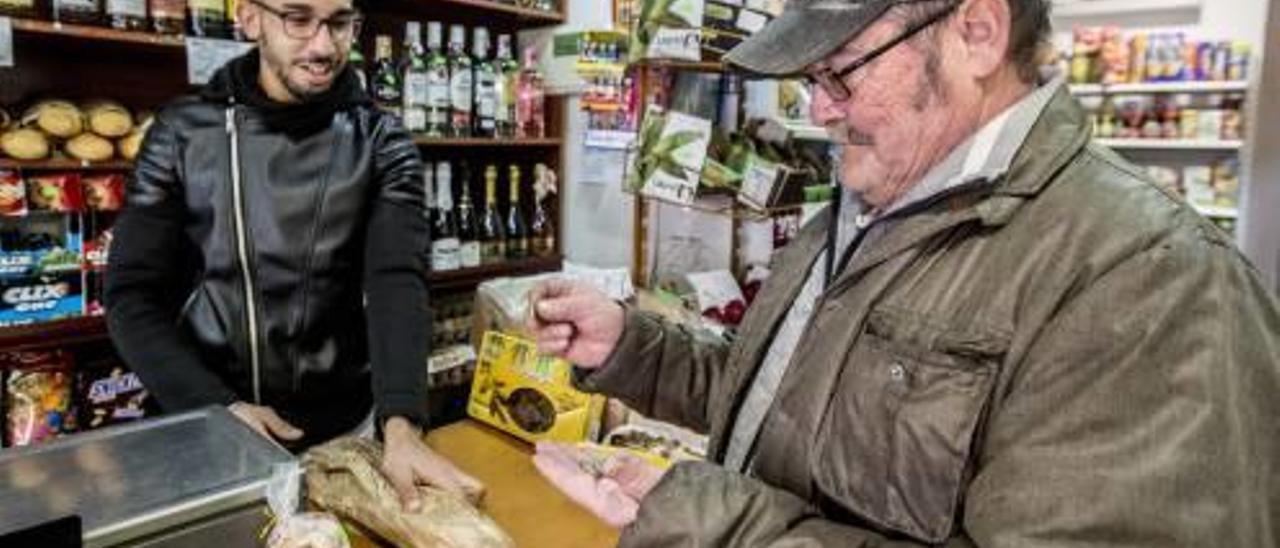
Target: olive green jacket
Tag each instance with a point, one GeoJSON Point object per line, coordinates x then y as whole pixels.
{"type": "Point", "coordinates": [1068, 357]}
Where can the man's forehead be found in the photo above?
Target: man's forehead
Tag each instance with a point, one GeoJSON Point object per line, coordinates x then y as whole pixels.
{"type": "Point", "coordinates": [318, 6]}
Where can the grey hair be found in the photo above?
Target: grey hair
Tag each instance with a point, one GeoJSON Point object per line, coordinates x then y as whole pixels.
{"type": "Point", "coordinates": [1029, 30]}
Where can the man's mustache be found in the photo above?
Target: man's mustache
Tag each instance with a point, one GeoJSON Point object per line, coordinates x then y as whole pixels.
{"type": "Point", "coordinates": [845, 134]}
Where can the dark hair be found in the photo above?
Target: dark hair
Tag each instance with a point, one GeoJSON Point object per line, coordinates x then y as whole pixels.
{"type": "Point", "coordinates": [1029, 31]}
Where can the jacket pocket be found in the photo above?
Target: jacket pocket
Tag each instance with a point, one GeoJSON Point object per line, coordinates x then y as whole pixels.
{"type": "Point", "coordinates": [896, 442]}
{"type": "Point", "coordinates": [206, 323]}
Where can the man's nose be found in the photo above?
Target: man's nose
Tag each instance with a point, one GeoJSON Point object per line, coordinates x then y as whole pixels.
{"type": "Point", "coordinates": [823, 110]}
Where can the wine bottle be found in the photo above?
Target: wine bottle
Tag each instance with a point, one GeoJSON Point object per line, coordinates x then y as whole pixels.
{"type": "Point", "coordinates": [83, 12]}
{"type": "Point", "coordinates": [460, 77]}
{"type": "Point", "coordinates": [542, 227]}
{"type": "Point", "coordinates": [208, 18]}
{"type": "Point", "coordinates": [168, 16]}
{"type": "Point", "coordinates": [517, 228]}
{"type": "Point", "coordinates": [468, 221]}
{"type": "Point", "coordinates": [486, 100]}
{"type": "Point", "coordinates": [507, 74]}
{"type": "Point", "coordinates": [444, 228]}
{"type": "Point", "coordinates": [414, 76]}
{"type": "Point", "coordinates": [386, 80]}
{"type": "Point", "coordinates": [438, 114]}
{"type": "Point", "coordinates": [127, 14]}
{"type": "Point", "coordinates": [531, 99]}
{"type": "Point", "coordinates": [492, 235]}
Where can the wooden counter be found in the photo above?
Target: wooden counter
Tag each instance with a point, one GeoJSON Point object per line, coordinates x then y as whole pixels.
{"type": "Point", "coordinates": [527, 507]}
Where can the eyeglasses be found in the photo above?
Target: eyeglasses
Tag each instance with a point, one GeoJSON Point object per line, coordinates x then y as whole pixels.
{"type": "Point", "coordinates": [299, 25]}
{"type": "Point", "coordinates": [832, 81]}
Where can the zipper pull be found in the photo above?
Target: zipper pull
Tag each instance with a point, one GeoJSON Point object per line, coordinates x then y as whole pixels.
{"type": "Point", "coordinates": [231, 120]}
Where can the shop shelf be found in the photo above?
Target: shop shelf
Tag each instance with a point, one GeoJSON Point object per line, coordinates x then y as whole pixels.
{"type": "Point", "coordinates": [697, 66]}
{"type": "Point", "coordinates": [723, 206]}
{"type": "Point", "coordinates": [482, 142]}
{"type": "Point", "coordinates": [60, 164]}
{"type": "Point", "coordinates": [1218, 212]}
{"type": "Point", "coordinates": [101, 34]}
{"type": "Point", "coordinates": [1113, 8]}
{"type": "Point", "coordinates": [474, 276]}
{"type": "Point", "coordinates": [1159, 87]}
{"type": "Point", "coordinates": [55, 334]}
{"type": "Point", "coordinates": [528, 14]}
{"type": "Point", "coordinates": [1171, 144]}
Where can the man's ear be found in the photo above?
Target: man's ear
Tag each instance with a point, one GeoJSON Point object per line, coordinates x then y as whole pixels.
{"type": "Point", "coordinates": [984, 27]}
{"type": "Point", "coordinates": [250, 18]}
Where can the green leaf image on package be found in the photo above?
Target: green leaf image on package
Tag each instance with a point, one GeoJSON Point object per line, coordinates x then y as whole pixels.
{"type": "Point", "coordinates": [668, 29]}
{"type": "Point", "coordinates": [669, 161]}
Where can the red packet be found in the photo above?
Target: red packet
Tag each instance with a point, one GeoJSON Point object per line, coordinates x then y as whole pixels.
{"type": "Point", "coordinates": [56, 192]}
{"type": "Point", "coordinates": [104, 192]}
{"type": "Point", "coordinates": [13, 194]}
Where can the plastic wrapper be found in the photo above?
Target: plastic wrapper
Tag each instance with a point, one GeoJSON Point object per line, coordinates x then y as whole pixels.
{"type": "Point", "coordinates": [5, 119]}
{"type": "Point", "coordinates": [104, 192]}
{"type": "Point", "coordinates": [107, 393]}
{"type": "Point", "coordinates": [131, 144]}
{"type": "Point", "coordinates": [60, 119]}
{"type": "Point", "coordinates": [109, 119]}
{"type": "Point", "coordinates": [290, 529]}
{"type": "Point", "coordinates": [37, 396]}
{"type": "Point", "coordinates": [13, 194]}
{"type": "Point", "coordinates": [90, 148]}
{"type": "Point", "coordinates": [59, 192]}
{"type": "Point", "coordinates": [25, 144]}
{"type": "Point", "coordinates": [343, 478]}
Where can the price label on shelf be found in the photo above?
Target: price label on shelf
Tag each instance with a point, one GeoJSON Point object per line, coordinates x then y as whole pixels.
{"type": "Point", "coordinates": [205, 56]}
{"type": "Point", "coordinates": [6, 42]}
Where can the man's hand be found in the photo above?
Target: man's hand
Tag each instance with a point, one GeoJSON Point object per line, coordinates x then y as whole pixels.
{"type": "Point", "coordinates": [408, 462]}
{"type": "Point", "coordinates": [610, 486]}
{"type": "Point", "coordinates": [265, 421]}
{"type": "Point", "coordinates": [572, 320]}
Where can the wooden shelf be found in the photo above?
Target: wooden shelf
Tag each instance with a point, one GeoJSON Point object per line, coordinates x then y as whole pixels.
{"type": "Point", "coordinates": [1171, 144]}
{"type": "Point", "coordinates": [482, 142]}
{"type": "Point", "coordinates": [60, 164]}
{"type": "Point", "coordinates": [101, 34]}
{"type": "Point", "coordinates": [528, 14]}
{"type": "Point", "coordinates": [474, 276]}
{"type": "Point", "coordinates": [55, 334]}
{"type": "Point", "coordinates": [1160, 87]}
{"type": "Point", "coordinates": [696, 66]}
{"type": "Point", "coordinates": [723, 206]}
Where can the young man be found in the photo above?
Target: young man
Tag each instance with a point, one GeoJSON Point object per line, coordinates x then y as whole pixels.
{"type": "Point", "coordinates": [271, 255]}
{"type": "Point", "coordinates": [1017, 339]}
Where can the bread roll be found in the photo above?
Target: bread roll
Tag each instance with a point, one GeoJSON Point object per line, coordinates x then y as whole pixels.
{"type": "Point", "coordinates": [132, 143]}
{"type": "Point", "coordinates": [57, 118]}
{"type": "Point", "coordinates": [25, 144]}
{"type": "Point", "coordinates": [90, 147]}
{"type": "Point", "coordinates": [109, 119]}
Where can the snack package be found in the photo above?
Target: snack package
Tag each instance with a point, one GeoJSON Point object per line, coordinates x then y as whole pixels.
{"type": "Point", "coordinates": [61, 192]}
{"type": "Point", "coordinates": [37, 396]}
{"type": "Point", "coordinates": [290, 529]}
{"type": "Point", "coordinates": [104, 192]}
{"type": "Point", "coordinates": [529, 395]}
{"type": "Point", "coordinates": [28, 300]}
{"type": "Point", "coordinates": [108, 393]}
{"type": "Point", "coordinates": [13, 194]}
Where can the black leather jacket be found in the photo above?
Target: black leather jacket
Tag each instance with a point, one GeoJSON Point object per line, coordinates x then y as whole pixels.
{"type": "Point", "coordinates": [284, 270]}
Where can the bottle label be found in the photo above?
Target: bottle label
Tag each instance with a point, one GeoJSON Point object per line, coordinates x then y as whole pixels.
{"type": "Point", "coordinates": [486, 100]}
{"type": "Point", "coordinates": [438, 88]}
{"type": "Point", "coordinates": [460, 91]}
{"type": "Point", "coordinates": [219, 6]}
{"type": "Point", "coordinates": [494, 251]}
{"type": "Point", "coordinates": [444, 254]}
{"type": "Point", "coordinates": [415, 88]}
{"type": "Point", "coordinates": [161, 9]}
{"type": "Point", "coordinates": [76, 5]}
{"type": "Point", "coordinates": [469, 254]}
{"type": "Point", "coordinates": [131, 8]}
{"type": "Point", "coordinates": [415, 119]}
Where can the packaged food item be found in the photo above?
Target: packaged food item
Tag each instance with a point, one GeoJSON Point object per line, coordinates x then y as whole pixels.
{"type": "Point", "coordinates": [60, 119]}
{"type": "Point", "coordinates": [104, 192]}
{"type": "Point", "coordinates": [31, 299]}
{"type": "Point", "coordinates": [1167, 177]}
{"type": "Point", "coordinates": [131, 144]}
{"type": "Point", "coordinates": [61, 192]}
{"type": "Point", "coordinates": [108, 393]}
{"type": "Point", "coordinates": [1198, 182]}
{"type": "Point", "coordinates": [13, 194]}
{"type": "Point", "coordinates": [1232, 117]}
{"type": "Point", "coordinates": [1238, 70]}
{"type": "Point", "coordinates": [1221, 60]}
{"type": "Point", "coordinates": [529, 395]}
{"type": "Point", "coordinates": [25, 144]}
{"type": "Point", "coordinates": [37, 396]}
{"type": "Point", "coordinates": [1206, 53]}
{"type": "Point", "coordinates": [1138, 49]}
{"type": "Point", "coordinates": [1114, 56]}
{"type": "Point", "coordinates": [1226, 183]}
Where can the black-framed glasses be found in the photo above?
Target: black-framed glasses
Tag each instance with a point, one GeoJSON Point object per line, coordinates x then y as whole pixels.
{"type": "Point", "coordinates": [300, 25]}
{"type": "Point", "coordinates": [832, 81]}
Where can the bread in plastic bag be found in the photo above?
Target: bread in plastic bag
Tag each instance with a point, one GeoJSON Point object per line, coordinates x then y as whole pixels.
{"type": "Point", "coordinates": [343, 478]}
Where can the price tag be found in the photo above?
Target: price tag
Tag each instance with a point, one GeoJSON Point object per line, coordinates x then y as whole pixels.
{"type": "Point", "coordinates": [6, 42]}
{"type": "Point", "coordinates": [714, 289]}
{"type": "Point", "coordinates": [205, 56]}
{"type": "Point", "coordinates": [758, 181]}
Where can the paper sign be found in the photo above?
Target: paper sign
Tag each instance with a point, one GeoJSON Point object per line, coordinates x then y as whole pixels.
{"type": "Point", "coordinates": [205, 56]}
{"type": "Point", "coordinates": [714, 289]}
{"type": "Point", "coordinates": [757, 182]}
{"type": "Point", "coordinates": [6, 42]}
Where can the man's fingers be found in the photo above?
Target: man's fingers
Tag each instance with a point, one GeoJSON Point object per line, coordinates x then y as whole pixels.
{"type": "Point", "coordinates": [279, 427]}
{"type": "Point", "coordinates": [554, 347]}
{"type": "Point", "coordinates": [406, 488]}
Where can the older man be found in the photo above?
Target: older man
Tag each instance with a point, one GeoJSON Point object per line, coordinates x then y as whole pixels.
{"type": "Point", "coordinates": [1019, 340]}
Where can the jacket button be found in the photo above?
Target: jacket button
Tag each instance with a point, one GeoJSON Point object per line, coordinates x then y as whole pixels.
{"type": "Point", "coordinates": [897, 372]}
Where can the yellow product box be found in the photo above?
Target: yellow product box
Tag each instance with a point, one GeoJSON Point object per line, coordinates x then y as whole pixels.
{"type": "Point", "coordinates": [529, 395]}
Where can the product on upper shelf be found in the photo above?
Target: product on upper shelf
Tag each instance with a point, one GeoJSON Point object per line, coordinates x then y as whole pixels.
{"type": "Point", "coordinates": [667, 30]}
{"type": "Point", "coordinates": [58, 118]}
{"type": "Point", "coordinates": [104, 192]}
{"type": "Point", "coordinates": [61, 192]}
{"type": "Point", "coordinates": [109, 119]}
{"type": "Point", "coordinates": [90, 148]}
{"type": "Point", "coordinates": [1103, 55]}
{"type": "Point", "coordinates": [25, 144]}
{"type": "Point", "coordinates": [37, 396]}
{"type": "Point", "coordinates": [132, 143]}
{"type": "Point", "coordinates": [108, 393]}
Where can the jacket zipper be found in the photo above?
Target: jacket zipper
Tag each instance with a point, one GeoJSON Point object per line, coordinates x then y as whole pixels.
{"type": "Point", "coordinates": [242, 250]}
